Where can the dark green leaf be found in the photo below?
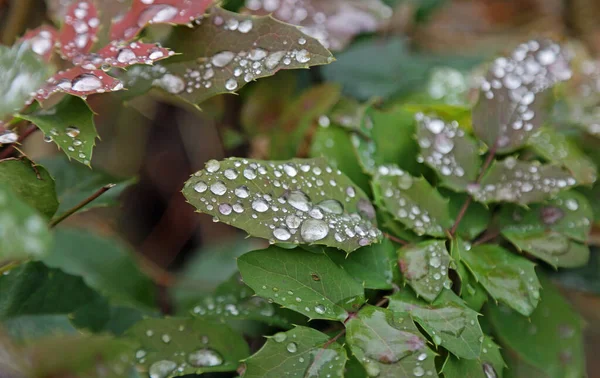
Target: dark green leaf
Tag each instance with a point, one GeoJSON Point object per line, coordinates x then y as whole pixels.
{"type": "Point", "coordinates": [552, 247]}
{"type": "Point", "coordinates": [412, 201]}
{"type": "Point", "coordinates": [196, 345]}
{"type": "Point", "coordinates": [448, 321]}
{"type": "Point", "coordinates": [301, 350]}
{"type": "Point", "coordinates": [389, 345]}
{"type": "Point", "coordinates": [104, 263]}
{"type": "Point", "coordinates": [70, 124]}
{"type": "Point", "coordinates": [507, 277]}
{"type": "Point", "coordinates": [470, 290]}
{"type": "Point", "coordinates": [294, 201]}
{"type": "Point", "coordinates": [31, 327]}
{"type": "Point", "coordinates": [32, 183]}
{"type": "Point", "coordinates": [489, 364]}
{"type": "Point", "coordinates": [550, 339]}
{"type": "Point", "coordinates": [521, 182]}
{"type": "Point", "coordinates": [306, 282]}
{"type": "Point", "coordinates": [476, 219]}
{"type": "Point", "coordinates": [425, 267]}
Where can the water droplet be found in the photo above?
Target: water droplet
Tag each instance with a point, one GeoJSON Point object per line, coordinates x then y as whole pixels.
{"type": "Point", "coordinates": [8, 137]}
{"type": "Point", "coordinates": [443, 144]}
{"type": "Point", "coordinates": [435, 126]}
{"type": "Point", "coordinates": [435, 261]}
{"type": "Point", "coordinates": [245, 26]}
{"type": "Point", "coordinates": [126, 56]}
{"type": "Point", "coordinates": [140, 354]}
{"type": "Point", "coordinates": [422, 357]}
{"type": "Point", "coordinates": [225, 208]}
{"type": "Point", "coordinates": [489, 370]}
{"type": "Point", "coordinates": [274, 59]}
{"type": "Point", "coordinates": [437, 340]}
{"type": "Point", "coordinates": [550, 214]}
{"type": "Point", "coordinates": [260, 205]}
{"type": "Point", "coordinates": [281, 234]}
{"type": "Point", "coordinates": [418, 371]}
{"type": "Point", "coordinates": [572, 204]}
{"type": "Point", "coordinates": [200, 187]}
{"type": "Point", "coordinates": [213, 166]}
{"type": "Point", "coordinates": [205, 357]}
{"type": "Point", "coordinates": [331, 206]}
{"type": "Point", "coordinates": [218, 188]}
{"type": "Point", "coordinates": [242, 191]}
{"type": "Point", "coordinates": [320, 309]}
{"type": "Point", "coordinates": [290, 170]}
{"type": "Point", "coordinates": [299, 200]}
{"type": "Point", "coordinates": [157, 13]}
{"type": "Point", "coordinates": [280, 337]}
{"type": "Point", "coordinates": [86, 83]}
{"type": "Point", "coordinates": [162, 369]}
{"type": "Point", "coordinates": [170, 83]}
{"type": "Point", "coordinates": [292, 347]}
{"type": "Point", "coordinates": [231, 84]}
{"type": "Point", "coordinates": [313, 230]}
{"type": "Point", "coordinates": [230, 174]}
{"type": "Point", "coordinates": [249, 173]}
{"type": "Point", "coordinates": [72, 131]}
{"type": "Point", "coordinates": [303, 56]}
{"type": "Point", "coordinates": [257, 54]}
{"type": "Point", "coordinates": [166, 338]}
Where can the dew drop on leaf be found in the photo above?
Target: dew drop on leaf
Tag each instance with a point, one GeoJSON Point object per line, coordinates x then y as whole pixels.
{"type": "Point", "coordinates": [313, 230]}
{"type": "Point", "coordinates": [86, 83]}
{"type": "Point", "coordinates": [205, 357]}
{"type": "Point", "coordinates": [280, 337]}
{"type": "Point", "coordinates": [162, 369]}
{"type": "Point", "coordinates": [320, 309]}
{"type": "Point", "coordinates": [292, 347]}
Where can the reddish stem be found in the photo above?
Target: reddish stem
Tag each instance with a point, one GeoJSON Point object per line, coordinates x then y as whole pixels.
{"type": "Point", "coordinates": [395, 239]}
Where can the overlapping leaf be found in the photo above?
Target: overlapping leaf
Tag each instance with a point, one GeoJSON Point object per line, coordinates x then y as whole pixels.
{"type": "Point", "coordinates": [302, 350]}
{"type": "Point", "coordinates": [489, 364]}
{"type": "Point", "coordinates": [41, 40]}
{"type": "Point", "coordinates": [293, 201]}
{"type": "Point", "coordinates": [522, 182]}
{"type": "Point", "coordinates": [508, 278]}
{"type": "Point", "coordinates": [176, 347]}
{"type": "Point", "coordinates": [448, 321]}
{"type": "Point", "coordinates": [412, 201]}
{"type": "Point", "coordinates": [389, 345]}
{"type": "Point", "coordinates": [306, 282]}
{"type": "Point", "coordinates": [424, 267]}
{"type": "Point", "coordinates": [449, 151]}
{"type": "Point", "coordinates": [514, 93]}
{"type": "Point", "coordinates": [550, 339]}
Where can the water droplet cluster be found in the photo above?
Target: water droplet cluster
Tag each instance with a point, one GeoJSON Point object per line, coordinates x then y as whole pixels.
{"type": "Point", "coordinates": [79, 82]}
{"type": "Point", "coordinates": [425, 267]}
{"type": "Point", "coordinates": [80, 29]}
{"type": "Point", "coordinates": [230, 306]}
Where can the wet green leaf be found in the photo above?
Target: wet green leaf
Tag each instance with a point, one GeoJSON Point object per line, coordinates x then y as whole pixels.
{"type": "Point", "coordinates": [412, 201]}
{"type": "Point", "coordinates": [522, 182]}
{"type": "Point", "coordinates": [514, 94]}
{"type": "Point", "coordinates": [301, 350]}
{"type": "Point", "coordinates": [470, 290]}
{"type": "Point", "coordinates": [489, 364]}
{"type": "Point", "coordinates": [306, 282]}
{"type": "Point", "coordinates": [197, 345]}
{"type": "Point", "coordinates": [389, 345]}
{"type": "Point", "coordinates": [550, 339]}
{"type": "Point", "coordinates": [31, 327]}
{"type": "Point", "coordinates": [557, 148]}
{"type": "Point", "coordinates": [31, 183]}
{"type": "Point", "coordinates": [293, 201]}
{"type": "Point", "coordinates": [70, 125]}
{"type": "Point", "coordinates": [448, 321]}
{"type": "Point", "coordinates": [424, 267]}
{"type": "Point", "coordinates": [24, 233]}
{"type": "Point", "coordinates": [508, 278]}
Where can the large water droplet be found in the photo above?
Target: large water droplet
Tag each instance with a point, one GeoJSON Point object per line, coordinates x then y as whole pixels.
{"type": "Point", "coordinates": [231, 84]}
{"type": "Point", "coordinates": [200, 187]}
{"type": "Point", "coordinates": [126, 56]}
{"type": "Point", "coordinates": [282, 234]}
{"type": "Point", "coordinates": [225, 209]}
{"type": "Point", "coordinates": [572, 204]}
{"type": "Point", "coordinates": [435, 126]}
{"type": "Point", "coordinates": [86, 82]}
{"type": "Point", "coordinates": [170, 83]}
{"type": "Point", "coordinates": [418, 371]}
{"type": "Point", "coordinates": [293, 221]}
{"type": "Point", "coordinates": [205, 357]}
{"type": "Point", "coordinates": [245, 26]}
{"type": "Point", "coordinates": [218, 188]}
{"type": "Point", "coordinates": [303, 56]}
{"type": "Point", "coordinates": [274, 59]}
{"type": "Point", "coordinates": [292, 347]}
{"type": "Point", "coordinates": [242, 192]}
{"type": "Point", "coordinates": [280, 337]}
{"type": "Point", "coordinates": [299, 200]}
{"type": "Point", "coordinates": [331, 206]}
{"type": "Point", "coordinates": [72, 131]}
{"type": "Point", "coordinates": [320, 309]}
{"type": "Point", "coordinates": [162, 369]}
{"type": "Point", "coordinates": [260, 205]}
{"type": "Point", "coordinates": [443, 144]}
{"type": "Point", "coordinates": [213, 166]}
{"type": "Point", "coordinates": [157, 13]}
{"type": "Point", "coordinates": [313, 230]}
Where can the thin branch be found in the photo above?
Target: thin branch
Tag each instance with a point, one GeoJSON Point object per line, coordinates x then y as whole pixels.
{"type": "Point", "coordinates": [10, 149]}
{"type": "Point", "coordinates": [83, 203]}
{"type": "Point", "coordinates": [487, 237]}
{"type": "Point", "coordinates": [395, 239]}
{"type": "Point", "coordinates": [382, 302]}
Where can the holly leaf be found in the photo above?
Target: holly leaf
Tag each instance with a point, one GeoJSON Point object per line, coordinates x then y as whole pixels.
{"type": "Point", "coordinates": [175, 347]}
{"type": "Point", "coordinates": [31, 183]}
{"type": "Point", "coordinates": [303, 350]}
{"type": "Point", "coordinates": [425, 267]}
{"type": "Point", "coordinates": [24, 232]}
{"type": "Point", "coordinates": [306, 282]}
{"type": "Point", "coordinates": [78, 81]}
{"type": "Point", "coordinates": [448, 321]}
{"type": "Point", "coordinates": [559, 149]}
{"type": "Point", "coordinates": [225, 52]}
{"type": "Point", "coordinates": [41, 40]}
{"type": "Point", "coordinates": [489, 364]}
{"type": "Point", "coordinates": [388, 344]}
{"type": "Point", "coordinates": [294, 201]}
{"type": "Point", "coordinates": [514, 94]}
{"type": "Point", "coordinates": [521, 182]}
{"type": "Point", "coordinates": [412, 201]}
{"type": "Point", "coordinates": [70, 125]}
{"type": "Point", "coordinates": [554, 324]}
{"type": "Point", "coordinates": [447, 149]}
{"type": "Point", "coordinates": [21, 73]}
{"type": "Point", "coordinates": [508, 278]}
{"type": "Point", "coordinates": [117, 54]}
{"type": "Point", "coordinates": [79, 30]}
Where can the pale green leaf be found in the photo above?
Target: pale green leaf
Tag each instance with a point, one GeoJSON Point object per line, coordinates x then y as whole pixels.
{"type": "Point", "coordinates": [32, 327]}
{"type": "Point", "coordinates": [306, 282]}
{"type": "Point", "coordinates": [301, 350]}
{"type": "Point", "coordinates": [389, 345]}
{"type": "Point", "coordinates": [294, 201]}
{"type": "Point", "coordinates": [489, 364]}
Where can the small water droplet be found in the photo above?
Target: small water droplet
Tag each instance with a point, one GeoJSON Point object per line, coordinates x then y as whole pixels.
{"type": "Point", "coordinates": [200, 187]}
{"type": "Point", "coordinates": [280, 337]}
{"type": "Point", "coordinates": [213, 166]}
{"type": "Point", "coordinates": [320, 309]}
{"type": "Point", "coordinates": [281, 234]}
{"type": "Point", "coordinates": [242, 192]}
{"type": "Point", "coordinates": [162, 369]}
{"type": "Point", "coordinates": [418, 371]}
{"type": "Point", "coordinates": [489, 370]}
{"type": "Point", "coordinates": [231, 84]}
{"type": "Point", "coordinates": [72, 131]}
{"type": "Point", "coordinates": [166, 338]}
{"type": "Point", "coordinates": [292, 347]}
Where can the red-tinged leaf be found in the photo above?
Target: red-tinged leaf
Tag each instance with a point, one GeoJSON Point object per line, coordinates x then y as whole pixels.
{"type": "Point", "coordinates": [42, 41]}
{"type": "Point", "coordinates": [144, 12]}
{"type": "Point", "coordinates": [80, 82]}
{"type": "Point", "coordinates": [80, 29]}
{"type": "Point", "coordinates": [119, 55]}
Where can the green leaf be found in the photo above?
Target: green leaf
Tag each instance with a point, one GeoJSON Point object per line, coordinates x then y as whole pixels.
{"type": "Point", "coordinates": [23, 232]}
{"type": "Point", "coordinates": [216, 59]}
{"type": "Point", "coordinates": [553, 325]}
{"type": "Point", "coordinates": [448, 321]}
{"type": "Point", "coordinates": [514, 93]}
{"type": "Point", "coordinates": [476, 219]}
{"type": "Point", "coordinates": [470, 290]}
{"type": "Point", "coordinates": [32, 183]}
{"type": "Point", "coordinates": [373, 266]}
{"type": "Point", "coordinates": [22, 74]}
{"type": "Point", "coordinates": [446, 148]}
{"type": "Point", "coordinates": [293, 201]}
{"type": "Point", "coordinates": [75, 183]}
{"type": "Point", "coordinates": [389, 345]}
{"type": "Point", "coordinates": [34, 289]}
{"type": "Point", "coordinates": [425, 267]}
{"type": "Point", "coordinates": [196, 345]}
{"type": "Point", "coordinates": [301, 350]}
{"type": "Point", "coordinates": [489, 364]}
{"type": "Point", "coordinates": [32, 327]}
{"type": "Point", "coordinates": [507, 277]}
{"type": "Point", "coordinates": [412, 201]}
{"type": "Point", "coordinates": [104, 263]}
{"type": "Point", "coordinates": [70, 124]}
{"type": "Point", "coordinates": [306, 282]}
{"type": "Point", "coordinates": [521, 182]}
{"type": "Point", "coordinates": [557, 148]}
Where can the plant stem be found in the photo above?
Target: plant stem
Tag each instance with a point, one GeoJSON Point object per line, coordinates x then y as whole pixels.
{"type": "Point", "coordinates": [83, 203]}
{"type": "Point", "coordinates": [10, 149]}
{"type": "Point", "coordinates": [487, 237]}
{"type": "Point", "coordinates": [395, 239]}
